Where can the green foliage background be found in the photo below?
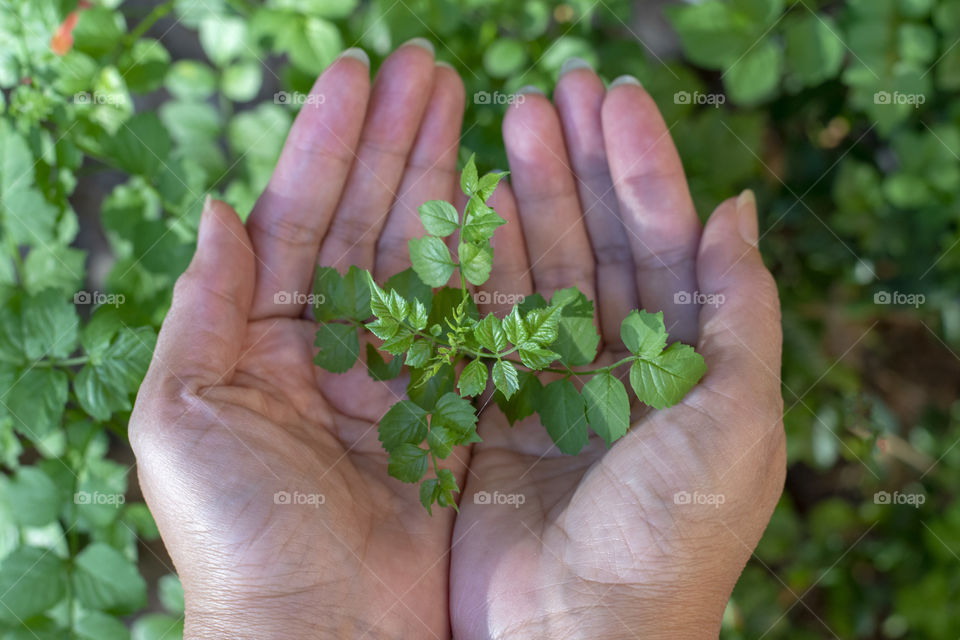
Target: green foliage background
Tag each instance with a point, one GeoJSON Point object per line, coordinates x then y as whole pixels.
{"type": "Point", "coordinates": [859, 198]}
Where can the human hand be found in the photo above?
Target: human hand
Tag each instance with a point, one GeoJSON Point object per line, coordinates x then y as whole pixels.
{"type": "Point", "coordinates": [233, 415]}
{"type": "Point", "coordinates": [600, 546]}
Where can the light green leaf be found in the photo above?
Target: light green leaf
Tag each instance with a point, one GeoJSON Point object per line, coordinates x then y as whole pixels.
{"type": "Point", "coordinates": [456, 414]}
{"type": "Point", "coordinates": [608, 407]}
{"type": "Point", "coordinates": [814, 50]}
{"type": "Point", "coordinates": [403, 423]}
{"type": "Point", "coordinates": [241, 82]}
{"type": "Point", "coordinates": [481, 222]}
{"type": "Point", "coordinates": [439, 217]}
{"type": "Point", "coordinates": [400, 342]}
{"type": "Point", "coordinates": [407, 463]}
{"type": "Point", "coordinates": [535, 356]}
{"type": "Point", "coordinates": [36, 401]}
{"type": "Point", "coordinates": [663, 381]}
{"type": "Point", "coordinates": [105, 580]}
{"type": "Point", "coordinates": [644, 334]}
{"type": "Point", "coordinates": [561, 410]}
{"type": "Point", "coordinates": [441, 441]}
{"type": "Point", "coordinates": [31, 581]}
{"type": "Point", "coordinates": [469, 181]}
{"type": "Point", "coordinates": [418, 315]}
{"type": "Point", "coordinates": [33, 497]}
{"type": "Point", "coordinates": [755, 77]}
{"type": "Point", "coordinates": [473, 378]}
{"type": "Point", "coordinates": [419, 353]}
{"type": "Point", "coordinates": [488, 184]}
{"type": "Point", "coordinates": [410, 287]}
{"type": "Point", "coordinates": [514, 327]}
{"type": "Point", "coordinates": [327, 291]}
{"type": "Point", "coordinates": [339, 347]}
{"type": "Point", "coordinates": [95, 625]}
{"type": "Point", "coordinates": [158, 626]}
{"type": "Point", "coordinates": [505, 378]}
{"type": "Point", "coordinates": [542, 325]}
{"type": "Point", "coordinates": [476, 262]}
{"type": "Point", "coordinates": [105, 384]}
{"type": "Point", "coordinates": [50, 326]}
{"type": "Point", "coordinates": [223, 38]}
{"type": "Point", "coordinates": [489, 333]}
{"type": "Point", "coordinates": [431, 260]}
{"type": "Point", "coordinates": [171, 593]}
{"type": "Point", "coordinates": [504, 57]}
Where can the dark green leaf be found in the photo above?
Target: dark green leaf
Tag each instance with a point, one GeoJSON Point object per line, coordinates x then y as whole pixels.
{"type": "Point", "coordinates": [105, 580]}
{"type": "Point", "coordinates": [31, 581]}
{"type": "Point", "coordinates": [426, 394]}
{"type": "Point", "coordinates": [378, 368]}
{"type": "Point", "coordinates": [663, 381]}
{"type": "Point", "coordinates": [608, 407]}
{"type": "Point", "coordinates": [644, 334]}
{"type": "Point", "coordinates": [410, 287]}
{"type": "Point", "coordinates": [339, 347]}
{"type": "Point", "coordinates": [561, 410]}
{"type": "Point", "coordinates": [408, 463]}
{"type": "Point", "coordinates": [328, 290]}
{"type": "Point", "coordinates": [33, 497]}
{"type": "Point", "coordinates": [403, 423]}
{"type": "Point", "coordinates": [525, 401]}
{"type": "Point", "coordinates": [105, 384]}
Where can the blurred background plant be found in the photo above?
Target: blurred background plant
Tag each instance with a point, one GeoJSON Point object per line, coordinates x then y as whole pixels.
{"type": "Point", "coordinates": [116, 118]}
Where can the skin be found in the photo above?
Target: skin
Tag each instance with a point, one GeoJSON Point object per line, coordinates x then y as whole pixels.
{"type": "Point", "coordinates": [233, 412]}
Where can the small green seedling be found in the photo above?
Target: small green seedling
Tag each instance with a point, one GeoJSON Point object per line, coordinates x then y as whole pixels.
{"type": "Point", "coordinates": [430, 328]}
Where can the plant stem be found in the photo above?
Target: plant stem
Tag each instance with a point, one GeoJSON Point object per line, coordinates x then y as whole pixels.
{"type": "Point", "coordinates": [151, 19]}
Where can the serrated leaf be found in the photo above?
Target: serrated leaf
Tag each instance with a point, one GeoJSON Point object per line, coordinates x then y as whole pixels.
{"type": "Point", "coordinates": [608, 406]}
{"type": "Point", "coordinates": [378, 298]}
{"type": "Point", "coordinates": [419, 353]}
{"type": "Point", "coordinates": [490, 334]}
{"type": "Point", "coordinates": [426, 389]}
{"type": "Point", "coordinates": [535, 356]}
{"type": "Point", "coordinates": [664, 380]}
{"type": "Point", "coordinates": [407, 463]}
{"type": "Point", "coordinates": [398, 306]}
{"type": "Point", "coordinates": [384, 328]}
{"type": "Point", "coordinates": [403, 423]}
{"type": "Point", "coordinates": [400, 342]}
{"type": "Point", "coordinates": [31, 581]}
{"type": "Point", "coordinates": [514, 327]}
{"type": "Point", "coordinates": [644, 334]}
{"type": "Point", "coordinates": [577, 340]}
{"type": "Point", "coordinates": [428, 493]}
{"type": "Point", "coordinates": [505, 378]}
{"type": "Point", "coordinates": [339, 347]}
{"type": "Point", "coordinates": [105, 384]}
{"type": "Point", "coordinates": [378, 368]}
{"type": "Point", "coordinates": [431, 260]}
{"type": "Point", "coordinates": [476, 262]}
{"type": "Point", "coordinates": [35, 400]}
{"type": "Point", "coordinates": [95, 625]}
{"type": "Point", "coordinates": [441, 441]}
{"type": "Point", "coordinates": [542, 325]}
{"type": "Point", "coordinates": [105, 580]}
{"type": "Point", "coordinates": [50, 326]}
{"type": "Point", "coordinates": [488, 183]}
{"type": "Point", "coordinates": [456, 414]}
{"type": "Point", "coordinates": [439, 217]}
{"type": "Point", "coordinates": [410, 287]}
{"type": "Point", "coordinates": [355, 294]}
{"type": "Point", "coordinates": [418, 315]}
{"type": "Point", "coordinates": [562, 412]}
{"type": "Point", "coordinates": [469, 181]}
{"type": "Point", "coordinates": [473, 378]}
{"type": "Point", "coordinates": [33, 497]}
{"type": "Point", "coordinates": [481, 221]}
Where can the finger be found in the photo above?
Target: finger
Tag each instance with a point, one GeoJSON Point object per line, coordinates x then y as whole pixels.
{"type": "Point", "coordinates": [293, 213]}
{"type": "Point", "coordinates": [202, 335]}
{"type": "Point", "coordinates": [740, 332]}
{"type": "Point", "coordinates": [655, 203]}
{"type": "Point", "coordinates": [579, 99]}
{"type": "Point", "coordinates": [556, 237]}
{"type": "Point", "coordinates": [430, 173]}
{"type": "Point", "coordinates": [397, 104]}
{"type": "Point", "coordinates": [510, 280]}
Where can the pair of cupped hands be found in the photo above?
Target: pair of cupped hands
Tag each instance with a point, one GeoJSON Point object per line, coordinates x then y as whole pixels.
{"type": "Point", "coordinates": [644, 539]}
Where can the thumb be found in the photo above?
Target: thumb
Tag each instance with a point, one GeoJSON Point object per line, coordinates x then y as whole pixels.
{"type": "Point", "coordinates": [203, 333]}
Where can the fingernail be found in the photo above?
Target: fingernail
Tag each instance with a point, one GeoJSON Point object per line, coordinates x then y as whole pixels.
{"type": "Point", "coordinates": [423, 43]}
{"type": "Point", "coordinates": [357, 54]}
{"type": "Point", "coordinates": [530, 90]}
{"type": "Point", "coordinates": [747, 217]}
{"type": "Point", "coordinates": [621, 80]}
{"type": "Point", "coordinates": [205, 216]}
{"type": "Point", "coordinates": [572, 64]}
{"type": "Point", "coordinates": [444, 63]}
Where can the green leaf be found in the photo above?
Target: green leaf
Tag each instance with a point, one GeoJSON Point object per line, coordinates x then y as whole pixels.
{"type": "Point", "coordinates": [425, 389]}
{"type": "Point", "coordinates": [514, 327]}
{"type": "Point", "coordinates": [504, 57]}
{"type": "Point", "coordinates": [355, 302]}
{"type": "Point", "coordinates": [469, 181]}
{"type": "Point", "coordinates": [407, 463]}
{"type": "Point", "coordinates": [481, 222]}
{"type": "Point", "coordinates": [339, 347]}
{"type": "Point", "coordinates": [313, 43]}
{"type": "Point", "coordinates": [241, 82]}
{"type": "Point", "coordinates": [410, 287]}
{"type": "Point", "coordinates": [105, 384]}
{"type": "Point", "coordinates": [561, 410]}
{"type": "Point", "coordinates": [644, 334]}
{"type": "Point", "coordinates": [141, 146]}
{"type": "Point", "coordinates": [712, 34]}
{"type": "Point", "coordinates": [431, 260]}
{"type": "Point", "coordinates": [400, 342]}
{"type": "Point", "coordinates": [31, 581]}
{"type": "Point", "coordinates": [384, 328]}
{"type": "Point", "coordinates": [98, 31]}
{"type": "Point", "coordinates": [608, 407]}
{"type": "Point", "coordinates": [419, 353]}
{"type": "Point", "coordinates": [327, 291]}
{"type": "Point", "coordinates": [397, 306]}
{"type": "Point", "coordinates": [50, 326]}
{"type": "Point", "coordinates": [223, 38]}
{"type": "Point", "coordinates": [542, 325]}
{"type": "Point", "coordinates": [403, 423]}
{"type": "Point", "coordinates": [524, 402]}
{"type": "Point", "coordinates": [100, 626]}
{"type": "Point", "coordinates": [378, 368]}
{"type": "Point", "coordinates": [473, 378]}
{"type": "Point", "coordinates": [36, 401]}
{"type": "Point", "coordinates": [476, 262]}
{"type": "Point", "coordinates": [158, 626]}
{"type": "Point", "coordinates": [428, 493]}
{"type": "Point", "coordinates": [535, 356]}
{"type": "Point", "coordinates": [418, 315]}
{"type": "Point", "coordinates": [663, 381]}
{"type": "Point", "coordinates": [439, 217]}
{"type": "Point", "coordinates": [170, 592]}
{"type": "Point", "coordinates": [489, 333]}
{"type": "Point", "coordinates": [505, 378]}
{"type": "Point", "coordinates": [488, 184]}
{"type": "Point", "coordinates": [441, 441]}
{"type": "Point", "coordinates": [190, 80]}
{"type": "Point", "coordinates": [755, 77]}
{"type": "Point", "coordinates": [456, 414]}
{"type": "Point", "coordinates": [33, 497]}
{"type": "Point", "coordinates": [105, 580]}
{"type": "Point", "coordinates": [814, 51]}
